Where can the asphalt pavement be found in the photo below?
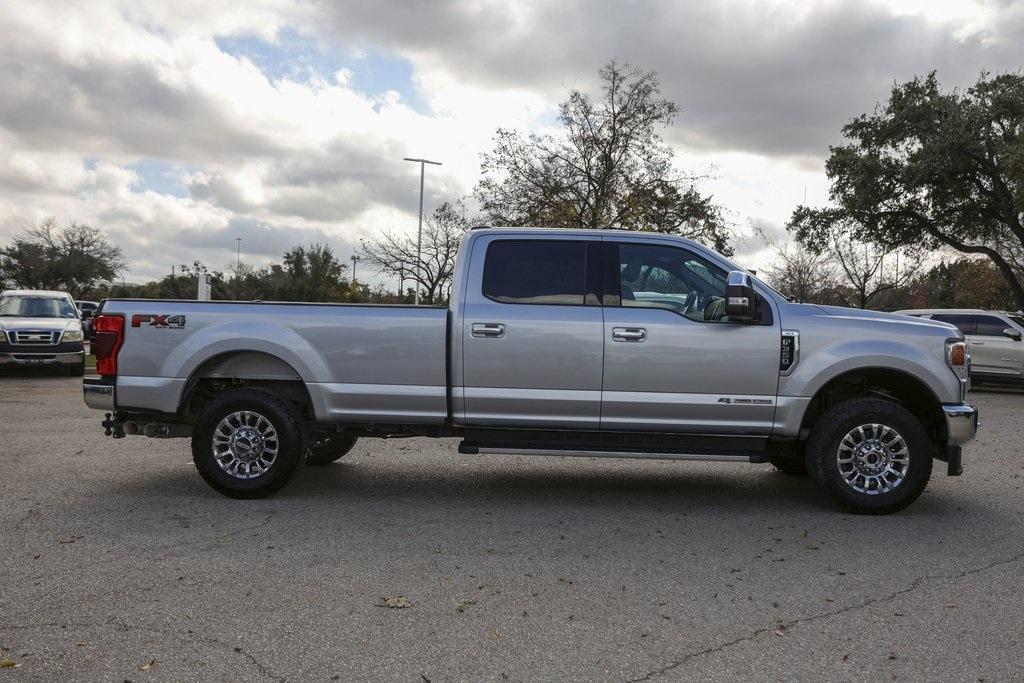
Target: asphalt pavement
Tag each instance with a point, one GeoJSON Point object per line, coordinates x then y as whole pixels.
{"type": "Point", "coordinates": [407, 561]}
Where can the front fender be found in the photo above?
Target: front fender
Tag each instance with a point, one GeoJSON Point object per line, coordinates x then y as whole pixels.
{"type": "Point", "coordinates": [825, 364]}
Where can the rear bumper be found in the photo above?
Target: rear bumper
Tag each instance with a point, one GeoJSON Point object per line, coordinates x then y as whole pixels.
{"type": "Point", "coordinates": [961, 423]}
{"type": "Point", "coordinates": [100, 393]}
{"type": "Point", "coordinates": [35, 357]}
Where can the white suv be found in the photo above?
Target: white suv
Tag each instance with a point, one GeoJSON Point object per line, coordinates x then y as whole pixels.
{"type": "Point", "coordinates": [993, 338]}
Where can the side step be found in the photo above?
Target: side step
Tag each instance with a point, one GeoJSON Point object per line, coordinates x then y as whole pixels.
{"type": "Point", "coordinates": [722, 456]}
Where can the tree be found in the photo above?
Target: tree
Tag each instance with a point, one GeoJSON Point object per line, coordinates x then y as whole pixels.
{"type": "Point", "coordinates": [866, 272]}
{"type": "Point", "coordinates": [962, 283]}
{"type": "Point", "coordinates": [607, 168]}
{"type": "Point", "coordinates": [395, 255]}
{"type": "Point", "coordinates": [74, 258]}
{"type": "Point", "coordinates": [804, 276]}
{"type": "Point", "coordinates": [933, 169]}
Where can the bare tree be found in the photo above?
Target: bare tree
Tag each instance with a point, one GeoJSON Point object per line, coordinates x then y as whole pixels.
{"type": "Point", "coordinates": [869, 271]}
{"type": "Point", "coordinates": [803, 275]}
{"type": "Point", "coordinates": [395, 254]}
{"type": "Point", "coordinates": [607, 168]}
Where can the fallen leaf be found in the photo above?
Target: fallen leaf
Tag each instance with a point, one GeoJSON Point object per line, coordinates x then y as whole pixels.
{"type": "Point", "coordinates": [69, 540]}
{"type": "Point", "coordinates": [464, 605]}
{"type": "Point", "coordinates": [495, 634]}
{"type": "Point", "coordinates": [8, 663]}
{"type": "Point", "coordinates": [148, 666]}
{"type": "Point", "coordinates": [397, 602]}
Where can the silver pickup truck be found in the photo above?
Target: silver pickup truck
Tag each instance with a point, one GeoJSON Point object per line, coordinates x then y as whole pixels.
{"type": "Point", "coordinates": [556, 342]}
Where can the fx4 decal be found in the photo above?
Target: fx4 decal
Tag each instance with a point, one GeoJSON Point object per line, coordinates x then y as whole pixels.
{"type": "Point", "coordinates": [152, 320]}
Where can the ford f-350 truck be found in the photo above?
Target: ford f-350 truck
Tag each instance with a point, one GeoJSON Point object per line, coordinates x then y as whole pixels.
{"type": "Point", "coordinates": [555, 342]}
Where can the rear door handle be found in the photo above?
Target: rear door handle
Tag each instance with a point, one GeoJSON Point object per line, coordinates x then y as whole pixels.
{"type": "Point", "coordinates": [629, 334]}
{"type": "Point", "coordinates": [488, 330]}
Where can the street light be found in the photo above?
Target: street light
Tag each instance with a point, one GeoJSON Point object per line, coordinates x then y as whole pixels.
{"type": "Point", "coordinates": [355, 259]}
{"type": "Point", "coordinates": [238, 264]}
{"type": "Point", "coordinates": [419, 233]}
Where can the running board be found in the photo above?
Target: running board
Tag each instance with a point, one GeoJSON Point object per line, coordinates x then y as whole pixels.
{"type": "Point", "coordinates": [752, 457]}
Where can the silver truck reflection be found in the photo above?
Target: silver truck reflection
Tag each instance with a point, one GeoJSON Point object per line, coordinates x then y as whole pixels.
{"type": "Point", "coordinates": [555, 342]}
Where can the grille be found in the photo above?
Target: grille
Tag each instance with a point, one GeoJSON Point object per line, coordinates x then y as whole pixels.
{"type": "Point", "coordinates": [34, 337]}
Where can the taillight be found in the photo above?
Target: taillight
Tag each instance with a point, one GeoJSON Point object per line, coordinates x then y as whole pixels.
{"type": "Point", "coordinates": [109, 331]}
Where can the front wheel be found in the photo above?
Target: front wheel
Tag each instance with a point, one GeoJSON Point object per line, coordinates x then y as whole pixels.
{"type": "Point", "coordinates": [247, 443]}
{"type": "Point", "coordinates": [871, 455]}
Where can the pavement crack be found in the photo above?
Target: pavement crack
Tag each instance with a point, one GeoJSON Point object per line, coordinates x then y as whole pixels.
{"type": "Point", "coordinates": [914, 585]}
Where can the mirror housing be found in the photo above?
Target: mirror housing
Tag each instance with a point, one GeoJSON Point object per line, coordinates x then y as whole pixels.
{"type": "Point", "coordinates": [1013, 334]}
{"type": "Point", "coordinates": [740, 297]}
{"type": "Point", "coordinates": [86, 314]}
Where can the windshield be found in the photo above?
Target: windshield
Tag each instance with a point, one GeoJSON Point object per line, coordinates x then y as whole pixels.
{"type": "Point", "coordinates": [1019, 319]}
{"type": "Point", "coordinates": [25, 306]}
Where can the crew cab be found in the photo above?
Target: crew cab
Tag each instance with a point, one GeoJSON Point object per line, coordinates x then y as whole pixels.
{"type": "Point", "coordinates": [40, 328]}
{"type": "Point", "coordinates": [555, 342]}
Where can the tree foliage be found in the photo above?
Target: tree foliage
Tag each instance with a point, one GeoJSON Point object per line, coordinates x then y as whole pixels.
{"type": "Point", "coordinates": [607, 168]}
{"type": "Point", "coordinates": [395, 254]}
{"type": "Point", "coordinates": [933, 169]}
{"type": "Point", "coordinates": [73, 258]}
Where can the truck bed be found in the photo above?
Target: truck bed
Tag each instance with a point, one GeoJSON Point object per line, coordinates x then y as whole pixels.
{"type": "Point", "coordinates": [360, 363]}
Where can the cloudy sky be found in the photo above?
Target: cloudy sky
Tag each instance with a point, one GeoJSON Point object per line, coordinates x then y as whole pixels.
{"type": "Point", "coordinates": [178, 126]}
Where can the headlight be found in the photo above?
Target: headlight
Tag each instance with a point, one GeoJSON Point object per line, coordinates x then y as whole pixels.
{"type": "Point", "coordinates": [73, 335]}
{"type": "Point", "coordinates": [960, 362]}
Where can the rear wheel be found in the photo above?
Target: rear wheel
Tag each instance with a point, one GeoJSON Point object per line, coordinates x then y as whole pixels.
{"type": "Point", "coordinates": [870, 455]}
{"type": "Point", "coordinates": [327, 449]}
{"type": "Point", "coordinates": [247, 443]}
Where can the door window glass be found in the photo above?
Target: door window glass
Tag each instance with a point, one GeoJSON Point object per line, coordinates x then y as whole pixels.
{"type": "Point", "coordinates": [674, 279]}
{"type": "Point", "coordinates": [536, 272]}
{"type": "Point", "coordinates": [965, 323]}
{"type": "Point", "coordinates": [990, 326]}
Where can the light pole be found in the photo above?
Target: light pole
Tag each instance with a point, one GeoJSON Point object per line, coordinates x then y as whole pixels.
{"type": "Point", "coordinates": [419, 232]}
{"type": "Point", "coordinates": [355, 260]}
{"type": "Point", "coordinates": [238, 264]}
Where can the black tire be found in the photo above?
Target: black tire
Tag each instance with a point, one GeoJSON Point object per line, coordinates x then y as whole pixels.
{"type": "Point", "coordinates": [328, 449]}
{"type": "Point", "coordinates": [789, 465]}
{"type": "Point", "coordinates": [838, 421]}
{"type": "Point", "coordinates": [290, 440]}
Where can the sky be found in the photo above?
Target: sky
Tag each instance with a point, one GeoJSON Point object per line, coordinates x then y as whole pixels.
{"type": "Point", "coordinates": [178, 127]}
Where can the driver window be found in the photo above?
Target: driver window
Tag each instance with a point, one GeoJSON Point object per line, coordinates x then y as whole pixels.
{"type": "Point", "coordinates": [673, 279]}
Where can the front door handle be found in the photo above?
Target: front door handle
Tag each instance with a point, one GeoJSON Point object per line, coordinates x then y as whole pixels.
{"type": "Point", "coordinates": [488, 330]}
{"type": "Point", "coordinates": [629, 334]}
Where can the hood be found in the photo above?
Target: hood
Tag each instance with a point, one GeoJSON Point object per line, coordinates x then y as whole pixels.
{"type": "Point", "coordinates": [48, 324]}
{"type": "Point", "coordinates": [858, 314]}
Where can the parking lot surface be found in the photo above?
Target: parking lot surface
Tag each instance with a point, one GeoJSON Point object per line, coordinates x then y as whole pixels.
{"type": "Point", "coordinates": [117, 562]}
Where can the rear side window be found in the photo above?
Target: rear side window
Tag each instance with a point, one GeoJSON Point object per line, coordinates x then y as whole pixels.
{"type": "Point", "coordinates": [965, 323]}
{"type": "Point", "coordinates": [990, 326]}
{"type": "Point", "coordinates": [536, 272]}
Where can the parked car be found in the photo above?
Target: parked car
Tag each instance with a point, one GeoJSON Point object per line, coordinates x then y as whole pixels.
{"type": "Point", "coordinates": [555, 342]}
{"type": "Point", "coordinates": [87, 311]}
{"type": "Point", "coordinates": [994, 340]}
{"type": "Point", "coordinates": [40, 328]}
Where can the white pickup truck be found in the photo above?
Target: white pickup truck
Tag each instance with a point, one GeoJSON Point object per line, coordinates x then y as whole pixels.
{"type": "Point", "coordinates": [555, 342]}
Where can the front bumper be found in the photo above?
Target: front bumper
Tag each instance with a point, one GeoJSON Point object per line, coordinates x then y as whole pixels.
{"type": "Point", "coordinates": [35, 357]}
{"type": "Point", "coordinates": [100, 393]}
{"type": "Point", "coordinates": [961, 423]}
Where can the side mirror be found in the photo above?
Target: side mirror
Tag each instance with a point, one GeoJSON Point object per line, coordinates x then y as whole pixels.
{"type": "Point", "coordinates": [740, 297]}
{"type": "Point", "coordinates": [1012, 334]}
{"type": "Point", "coordinates": [86, 314]}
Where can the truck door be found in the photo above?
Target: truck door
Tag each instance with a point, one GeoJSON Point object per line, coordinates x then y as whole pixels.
{"type": "Point", "coordinates": [532, 333]}
{"type": "Point", "coordinates": [673, 361]}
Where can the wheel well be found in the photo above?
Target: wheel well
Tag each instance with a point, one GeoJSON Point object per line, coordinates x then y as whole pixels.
{"type": "Point", "coordinates": [243, 368]}
{"type": "Point", "coordinates": [886, 383]}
